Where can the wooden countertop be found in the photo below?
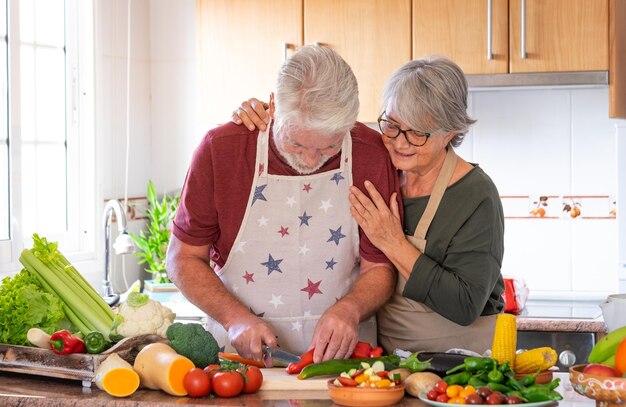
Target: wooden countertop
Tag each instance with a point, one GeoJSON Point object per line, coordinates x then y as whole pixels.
{"type": "Point", "coordinates": [19, 390]}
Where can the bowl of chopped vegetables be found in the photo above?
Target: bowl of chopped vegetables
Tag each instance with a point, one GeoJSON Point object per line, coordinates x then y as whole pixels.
{"type": "Point", "coordinates": [368, 386]}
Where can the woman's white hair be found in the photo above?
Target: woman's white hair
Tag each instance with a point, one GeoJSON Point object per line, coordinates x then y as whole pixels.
{"type": "Point", "coordinates": [316, 90]}
{"type": "Point", "coordinates": [430, 94]}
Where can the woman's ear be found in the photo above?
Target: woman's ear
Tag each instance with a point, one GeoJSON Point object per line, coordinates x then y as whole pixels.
{"type": "Point", "coordinates": [450, 136]}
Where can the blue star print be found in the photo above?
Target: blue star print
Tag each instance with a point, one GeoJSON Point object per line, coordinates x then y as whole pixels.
{"type": "Point", "coordinates": [336, 235]}
{"type": "Point", "coordinates": [337, 177]}
{"type": "Point", "coordinates": [331, 264]}
{"type": "Point", "coordinates": [258, 194]}
{"type": "Point", "coordinates": [304, 219]}
{"type": "Point", "coordinates": [272, 265]}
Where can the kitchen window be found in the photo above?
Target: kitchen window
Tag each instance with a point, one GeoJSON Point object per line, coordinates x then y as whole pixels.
{"type": "Point", "coordinates": [46, 126]}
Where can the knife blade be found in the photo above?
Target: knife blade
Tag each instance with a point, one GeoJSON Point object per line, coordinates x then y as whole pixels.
{"type": "Point", "coordinates": [278, 358]}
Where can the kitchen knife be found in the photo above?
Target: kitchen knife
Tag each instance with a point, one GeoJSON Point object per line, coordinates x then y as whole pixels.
{"type": "Point", "coordinates": [278, 358]}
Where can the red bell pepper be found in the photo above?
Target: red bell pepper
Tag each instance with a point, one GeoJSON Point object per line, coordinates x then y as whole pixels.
{"type": "Point", "coordinates": [64, 342]}
{"type": "Point", "coordinates": [306, 359]}
{"type": "Point", "coordinates": [364, 350]}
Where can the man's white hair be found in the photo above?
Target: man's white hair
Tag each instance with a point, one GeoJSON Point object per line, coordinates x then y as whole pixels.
{"type": "Point", "coordinates": [316, 90]}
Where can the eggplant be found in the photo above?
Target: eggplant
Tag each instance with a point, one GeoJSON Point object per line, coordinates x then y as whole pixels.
{"type": "Point", "coordinates": [441, 361]}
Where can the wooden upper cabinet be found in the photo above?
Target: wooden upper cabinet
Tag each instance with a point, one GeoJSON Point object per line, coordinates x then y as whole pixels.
{"type": "Point", "coordinates": [464, 31]}
{"type": "Point", "coordinates": [559, 35]}
{"type": "Point", "coordinates": [240, 50]}
{"type": "Point", "coordinates": [373, 36]}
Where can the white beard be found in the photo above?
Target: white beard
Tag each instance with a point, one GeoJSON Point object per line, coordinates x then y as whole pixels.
{"type": "Point", "coordinates": [298, 164]}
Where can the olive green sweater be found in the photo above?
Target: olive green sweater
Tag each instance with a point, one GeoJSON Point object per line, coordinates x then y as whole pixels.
{"type": "Point", "coordinates": [459, 274]}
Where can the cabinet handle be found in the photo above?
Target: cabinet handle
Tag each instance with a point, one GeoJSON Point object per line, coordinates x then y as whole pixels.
{"type": "Point", "coordinates": [523, 29]}
{"type": "Point", "coordinates": [489, 50]}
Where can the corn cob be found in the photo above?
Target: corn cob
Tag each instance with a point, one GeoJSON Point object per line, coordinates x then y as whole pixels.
{"type": "Point", "coordinates": [535, 360]}
{"type": "Point", "coordinates": [505, 339]}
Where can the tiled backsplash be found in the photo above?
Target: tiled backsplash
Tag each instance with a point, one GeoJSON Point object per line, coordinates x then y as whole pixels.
{"type": "Point", "coordinates": [552, 146]}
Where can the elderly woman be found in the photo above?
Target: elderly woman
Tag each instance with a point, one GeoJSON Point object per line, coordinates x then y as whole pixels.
{"type": "Point", "coordinates": [448, 250]}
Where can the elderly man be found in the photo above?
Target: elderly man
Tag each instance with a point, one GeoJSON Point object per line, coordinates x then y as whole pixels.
{"type": "Point", "coordinates": [263, 239]}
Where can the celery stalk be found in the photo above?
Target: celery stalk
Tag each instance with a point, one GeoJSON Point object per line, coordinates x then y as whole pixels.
{"type": "Point", "coordinates": [68, 312]}
{"type": "Point", "coordinates": [49, 254]}
{"type": "Point", "coordinates": [70, 293]}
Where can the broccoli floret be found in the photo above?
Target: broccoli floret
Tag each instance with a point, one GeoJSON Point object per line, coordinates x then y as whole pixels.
{"type": "Point", "coordinates": [194, 342]}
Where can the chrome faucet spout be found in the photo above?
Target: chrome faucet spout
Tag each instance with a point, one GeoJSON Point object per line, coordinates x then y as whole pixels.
{"type": "Point", "coordinates": [123, 245]}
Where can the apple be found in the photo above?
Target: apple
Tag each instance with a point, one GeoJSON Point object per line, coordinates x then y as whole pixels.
{"type": "Point", "coordinates": [601, 370]}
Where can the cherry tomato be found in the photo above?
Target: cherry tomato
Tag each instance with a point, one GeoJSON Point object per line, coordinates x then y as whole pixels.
{"type": "Point", "coordinates": [227, 384]}
{"type": "Point", "coordinates": [347, 382]}
{"type": "Point", "coordinates": [212, 369]}
{"type": "Point", "coordinates": [197, 383]}
{"type": "Point", "coordinates": [442, 398]}
{"type": "Point", "coordinates": [254, 379]}
{"type": "Point", "coordinates": [453, 390]}
{"type": "Point", "coordinates": [441, 386]}
{"type": "Point", "coordinates": [432, 394]}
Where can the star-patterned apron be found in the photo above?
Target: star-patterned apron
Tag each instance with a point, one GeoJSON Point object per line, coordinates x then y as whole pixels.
{"type": "Point", "coordinates": [296, 252]}
{"type": "Point", "coordinates": [413, 326]}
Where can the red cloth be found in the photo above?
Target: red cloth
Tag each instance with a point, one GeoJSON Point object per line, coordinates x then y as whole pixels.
{"type": "Point", "coordinates": [218, 182]}
{"type": "Point", "coordinates": [510, 299]}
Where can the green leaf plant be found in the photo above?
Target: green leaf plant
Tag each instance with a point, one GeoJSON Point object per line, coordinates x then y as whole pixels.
{"type": "Point", "coordinates": [152, 243]}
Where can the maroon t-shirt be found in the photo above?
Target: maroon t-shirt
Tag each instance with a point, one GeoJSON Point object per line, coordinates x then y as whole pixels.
{"type": "Point", "coordinates": [219, 179]}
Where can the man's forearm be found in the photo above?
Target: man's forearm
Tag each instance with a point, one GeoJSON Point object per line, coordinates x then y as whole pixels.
{"type": "Point", "coordinates": [202, 287]}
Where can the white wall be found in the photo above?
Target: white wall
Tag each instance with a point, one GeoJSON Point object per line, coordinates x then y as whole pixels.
{"type": "Point", "coordinates": [162, 105]}
{"type": "Point", "coordinates": [554, 142]}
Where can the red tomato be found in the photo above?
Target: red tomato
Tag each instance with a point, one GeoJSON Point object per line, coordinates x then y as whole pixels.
{"type": "Point", "coordinates": [441, 387]}
{"type": "Point", "coordinates": [432, 394]}
{"type": "Point", "coordinates": [254, 379]}
{"type": "Point", "coordinates": [227, 384]}
{"type": "Point", "coordinates": [212, 369]}
{"type": "Point", "coordinates": [442, 398]}
{"type": "Point", "coordinates": [347, 382]}
{"type": "Point", "coordinates": [197, 383]}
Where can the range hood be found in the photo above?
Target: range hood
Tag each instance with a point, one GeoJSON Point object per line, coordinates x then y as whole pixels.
{"type": "Point", "coordinates": [549, 79]}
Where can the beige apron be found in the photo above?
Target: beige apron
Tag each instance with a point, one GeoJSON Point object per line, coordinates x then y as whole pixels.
{"type": "Point", "coordinates": [296, 252]}
{"type": "Point", "coordinates": [413, 326]}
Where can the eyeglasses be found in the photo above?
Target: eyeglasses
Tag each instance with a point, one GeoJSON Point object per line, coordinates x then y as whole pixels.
{"type": "Point", "coordinates": [413, 137]}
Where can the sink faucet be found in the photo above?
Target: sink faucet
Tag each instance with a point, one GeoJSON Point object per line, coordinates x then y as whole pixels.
{"type": "Point", "coordinates": [123, 245]}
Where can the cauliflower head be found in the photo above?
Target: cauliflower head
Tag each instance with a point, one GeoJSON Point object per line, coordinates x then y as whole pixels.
{"type": "Point", "coordinates": [140, 315]}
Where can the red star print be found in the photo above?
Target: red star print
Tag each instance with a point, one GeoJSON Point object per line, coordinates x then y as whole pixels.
{"type": "Point", "coordinates": [307, 188]}
{"type": "Point", "coordinates": [249, 277]}
{"type": "Point", "coordinates": [261, 168]}
{"type": "Point", "coordinates": [312, 288]}
{"type": "Point", "coordinates": [283, 231]}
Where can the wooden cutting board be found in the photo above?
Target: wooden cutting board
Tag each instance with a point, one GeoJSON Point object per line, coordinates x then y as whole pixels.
{"type": "Point", "coordinates": [278, 379]}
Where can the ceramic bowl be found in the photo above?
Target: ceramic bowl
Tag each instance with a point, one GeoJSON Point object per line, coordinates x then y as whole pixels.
{"type": "Point", "coordinates": [600, 388]}
{"type": "Point", "coordinates": [365, 396]}
{"type": "Point", "coordinates": [542, 378]}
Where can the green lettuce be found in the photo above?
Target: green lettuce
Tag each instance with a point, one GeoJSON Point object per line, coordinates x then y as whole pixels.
{"type": "Point", "coordinates": [24, 305]}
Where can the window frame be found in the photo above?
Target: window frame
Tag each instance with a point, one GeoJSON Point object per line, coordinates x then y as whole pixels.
{"type": "Point", "coordinates": [78, 242]}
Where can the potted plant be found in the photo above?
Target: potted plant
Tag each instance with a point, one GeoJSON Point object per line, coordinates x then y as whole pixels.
{"type": "Point", "coordinates": [152, 243]}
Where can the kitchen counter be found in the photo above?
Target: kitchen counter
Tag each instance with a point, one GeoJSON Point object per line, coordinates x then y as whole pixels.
{"type": "Point", "coordinates": [596, 326]}
{"type": "Point", "coordinates": [37, 391]}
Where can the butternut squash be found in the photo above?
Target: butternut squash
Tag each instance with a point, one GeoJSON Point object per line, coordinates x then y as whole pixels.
{"type": "Point", "coordinates": [117, 377]}
{"type": "Point", "coordinates": [161, 368]}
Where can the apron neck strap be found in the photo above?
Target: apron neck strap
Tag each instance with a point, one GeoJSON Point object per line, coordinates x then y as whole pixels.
{"type": "Point", "coordinates": [443, 179]}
